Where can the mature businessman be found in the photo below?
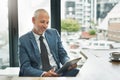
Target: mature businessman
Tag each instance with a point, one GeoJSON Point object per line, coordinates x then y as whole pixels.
{"type": "Point", "coordinates": [41, 51]}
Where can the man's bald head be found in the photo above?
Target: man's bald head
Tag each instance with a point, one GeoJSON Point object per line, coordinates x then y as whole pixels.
{"type": "Point", "coordinates": [40, 11]}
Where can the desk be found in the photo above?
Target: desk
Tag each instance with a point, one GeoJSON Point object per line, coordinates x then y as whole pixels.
{"type": "Point", "coordinates": [99, 67]}
{"type": "Point", "coordinates": [9, 71]}
{"type": "Point", "coordinates": [38, 78]}
{"type": "Point", "coordinates": [96, 67]}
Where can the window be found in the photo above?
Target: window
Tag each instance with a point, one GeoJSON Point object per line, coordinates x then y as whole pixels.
{"type": "Point", "coordinates": [96, 44]}
{"type": "Point", "coordinates": [89, 14]}
{"type": "Point", "coordinates": [26, 10]}
{"type": "Point", "coordinates": [102, 44]}
{"type": "Point", "coordinates": [4, 38]}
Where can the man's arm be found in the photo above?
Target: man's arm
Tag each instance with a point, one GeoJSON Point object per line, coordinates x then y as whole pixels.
{"type": "Point", "coordinates": [61, 51]}
{"type": "Point", "coordinates": [25, 63]}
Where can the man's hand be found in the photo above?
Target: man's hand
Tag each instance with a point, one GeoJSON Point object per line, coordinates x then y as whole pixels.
{"type": "Point", "coordinates": [72, 66]}
{"type": "Point", "coordinates": [50, 73]}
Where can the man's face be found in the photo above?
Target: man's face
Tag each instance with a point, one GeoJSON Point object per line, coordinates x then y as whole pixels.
{"type": "Point", "coordinates": [41, 23]}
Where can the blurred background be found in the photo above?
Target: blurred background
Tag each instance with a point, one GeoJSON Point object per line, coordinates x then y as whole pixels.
{"type": "Point", "coordinates": [84, 24]}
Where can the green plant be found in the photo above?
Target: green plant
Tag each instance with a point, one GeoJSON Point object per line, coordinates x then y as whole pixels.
{"type": "Point", "coordinates": [92, 32]}
{"type": "Point", "coordinates": [70, 25]}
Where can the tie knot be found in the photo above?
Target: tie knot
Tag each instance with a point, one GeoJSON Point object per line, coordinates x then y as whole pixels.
{"type": "Point", "coordinates": [41, 38]}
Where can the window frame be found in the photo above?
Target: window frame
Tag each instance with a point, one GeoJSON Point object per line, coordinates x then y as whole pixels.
{"type": "Point", "coordinates": [13, 26]}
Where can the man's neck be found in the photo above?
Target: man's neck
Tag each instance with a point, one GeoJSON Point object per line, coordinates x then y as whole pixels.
{"type": "Point", "coordinates": [36, 32]}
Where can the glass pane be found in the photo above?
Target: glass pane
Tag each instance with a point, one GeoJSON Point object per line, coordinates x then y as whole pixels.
{"type": "Point", "coordinates": [26, 9]}
{"type": "Point", "coordinates": [97, 20]}
{"type": "Point", "coordinates": [4, 38]}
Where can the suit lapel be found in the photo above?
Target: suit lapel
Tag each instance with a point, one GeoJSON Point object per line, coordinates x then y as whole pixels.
{"type": "Point", "coordinates": [51, 43]}
{"type": "Point", "coordinates": [49, 39]}
{"type": "Point", "coordinates": [34, 43]}
{"type": "Point", "coordinates": [50, 36]}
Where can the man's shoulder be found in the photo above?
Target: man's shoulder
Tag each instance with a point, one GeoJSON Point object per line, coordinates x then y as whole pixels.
{"type": "Point", "coordinates": [51, 30]}
{"type": "Point", "coordinates": [25, 36]}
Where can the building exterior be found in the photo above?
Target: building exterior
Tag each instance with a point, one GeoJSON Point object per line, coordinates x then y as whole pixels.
{"type": "Point", "coordinates": [70, 9]}
{"type": "Point", "coordinates": [104, 7]}
{"type": "Point", "coordinates": [82, 10]}
{"type": "Point", "coordinates": [88, 12]}
{"type": "Point", "coordinates": [114, 29]}
{"type": "Point", "coordinates": [110, 26]}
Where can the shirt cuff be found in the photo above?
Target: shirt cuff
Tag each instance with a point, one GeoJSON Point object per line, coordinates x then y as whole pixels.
{"type": "Point", "coordinates": [42, 74]}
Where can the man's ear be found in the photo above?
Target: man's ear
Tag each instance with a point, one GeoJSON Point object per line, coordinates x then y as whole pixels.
{"type": "Point", "coordinates": [33, 20]}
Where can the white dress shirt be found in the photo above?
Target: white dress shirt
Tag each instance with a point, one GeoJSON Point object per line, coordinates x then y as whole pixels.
{"type": "Point", "coordinates": [51, 59]}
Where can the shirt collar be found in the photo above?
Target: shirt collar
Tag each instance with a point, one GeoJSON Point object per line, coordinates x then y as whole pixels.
{"type": "Point", "coordinates": [38, 36]}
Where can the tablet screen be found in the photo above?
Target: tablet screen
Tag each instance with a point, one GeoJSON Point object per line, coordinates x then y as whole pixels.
{"type": "Point", "coordinates": [67, 64]}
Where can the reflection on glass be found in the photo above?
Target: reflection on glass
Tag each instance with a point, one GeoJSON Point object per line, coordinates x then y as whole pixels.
{"type": "Point", "coordinates": [4, 42]}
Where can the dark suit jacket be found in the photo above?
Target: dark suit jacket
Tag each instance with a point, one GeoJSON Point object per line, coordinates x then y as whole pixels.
{"type": "Point", "coordinates": [29, 54]}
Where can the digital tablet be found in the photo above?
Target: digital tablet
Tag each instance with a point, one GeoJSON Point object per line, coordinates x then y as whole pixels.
{"type": "Point", "coordinates": [67, 64]}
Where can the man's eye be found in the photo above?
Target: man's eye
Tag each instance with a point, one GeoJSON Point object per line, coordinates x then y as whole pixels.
{"type": "Point", "coordinates": [42, 21]}
{"type": "Point", "coordinates": [47, 22]}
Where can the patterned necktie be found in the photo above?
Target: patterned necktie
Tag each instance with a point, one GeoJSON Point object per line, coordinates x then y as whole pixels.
{"type": "Point", "coordinates": [44, 55]}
